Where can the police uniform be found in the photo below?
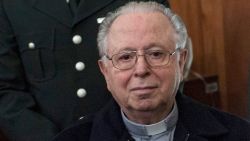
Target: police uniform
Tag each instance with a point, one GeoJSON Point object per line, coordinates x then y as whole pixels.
{"type": "Point", "coordinates": [49, 75]}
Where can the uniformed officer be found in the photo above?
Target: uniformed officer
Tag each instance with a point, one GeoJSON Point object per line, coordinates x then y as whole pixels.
{"type": "Point", "coordinates": [48, 72]}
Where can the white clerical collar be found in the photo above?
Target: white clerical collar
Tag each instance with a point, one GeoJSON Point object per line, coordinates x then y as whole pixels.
{"type": "Point", "coordinates": [165, 125]}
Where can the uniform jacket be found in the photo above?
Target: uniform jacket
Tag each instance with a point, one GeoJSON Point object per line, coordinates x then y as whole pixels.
{"type": "Point", "coordinates": [196, 122]}
{"type": "Point", "coordinates": [49, 77]}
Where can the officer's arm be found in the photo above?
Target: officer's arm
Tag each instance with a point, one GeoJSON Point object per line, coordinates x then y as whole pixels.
{"type": "Point", "coordinates": [18, 120]}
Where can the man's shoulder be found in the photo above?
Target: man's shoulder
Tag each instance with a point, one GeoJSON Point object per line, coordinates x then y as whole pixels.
{"type": "Point", "coordinates": [237, 127]}
{"type": "Point", "coordinates": [78, 131]}
{"type": "Point", "coordinates": [206, 120]}
{"type": "Point", "coordinates": [229, 120]}
{"type": "Point", "coordinates": [99, 123]}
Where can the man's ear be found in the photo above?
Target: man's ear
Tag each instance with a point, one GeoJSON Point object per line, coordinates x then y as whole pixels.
{"type": "Point", "coordinates": [102, 67]}
{"type": "Point", "coordinates": [104, 70]}
{"type": "Point", "coordinates": [189, 58]}
{"type": "Point", "coordinates": [182, 60]}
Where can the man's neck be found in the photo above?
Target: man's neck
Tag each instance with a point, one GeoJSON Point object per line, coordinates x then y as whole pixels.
{"type": "Point", "coordinates": [149, 116]}
{"type": "Point", "coordinates": [161, 128]}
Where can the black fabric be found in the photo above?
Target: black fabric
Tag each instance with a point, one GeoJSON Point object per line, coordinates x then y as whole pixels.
{"type": "Point", "coordinates": [196, 122]}
{"type": "Point", "coordinates": [73, 4]}
{"type": "Point", "coordinates": [78, 1]}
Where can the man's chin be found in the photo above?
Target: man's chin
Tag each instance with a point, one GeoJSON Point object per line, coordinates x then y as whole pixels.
{"type": "Point", "coordinates": [145, 106]}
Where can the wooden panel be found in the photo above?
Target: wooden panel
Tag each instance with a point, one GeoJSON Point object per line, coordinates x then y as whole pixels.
{"type": "Point", "coordinates": [220, 30]}
{"type": "Point", "coordinates": [196, 88]}
{"type": "Point", "coordinates": [204, 20]}
{"type": "Point", "coordinates": [237, 46]}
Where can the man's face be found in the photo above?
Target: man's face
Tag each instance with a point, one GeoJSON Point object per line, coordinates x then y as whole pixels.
{"type": "Point", "coordinates": [143, 88]}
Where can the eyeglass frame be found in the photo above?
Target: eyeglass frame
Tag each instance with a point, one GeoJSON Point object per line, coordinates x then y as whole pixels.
{"type": "Point", "coordinates": [168, 54]}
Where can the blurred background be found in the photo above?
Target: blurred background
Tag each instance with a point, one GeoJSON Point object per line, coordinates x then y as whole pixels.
{"type": "Point", "coordinates": [220, 32]}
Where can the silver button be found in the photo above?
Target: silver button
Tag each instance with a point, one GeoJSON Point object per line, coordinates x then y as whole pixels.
{"type": "Point", "coordinates": [80, 66]}
{"type": "Point", "coordinates": [67, 1]}
{"type": "Point", "coordinates": [100, 20]}
{"type": "Point", "coordinates": [77, 39]}
{"type": "Point", "coordinates": [31, 45]}
{"type": "Point", "coordinates": [80, 118]}
{"type": "Point", "coordinates": [81, 93]}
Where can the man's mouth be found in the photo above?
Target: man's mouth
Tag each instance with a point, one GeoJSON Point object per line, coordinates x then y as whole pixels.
{"type": "Point", "coordinates": [143, 89]}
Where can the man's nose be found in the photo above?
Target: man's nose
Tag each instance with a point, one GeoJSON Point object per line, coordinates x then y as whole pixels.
{"type": "Point", "coordinates": [141, 66]}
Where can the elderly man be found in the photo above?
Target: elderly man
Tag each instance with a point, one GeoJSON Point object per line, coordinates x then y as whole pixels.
{"type": "Point", "coordinates": [142, 59]}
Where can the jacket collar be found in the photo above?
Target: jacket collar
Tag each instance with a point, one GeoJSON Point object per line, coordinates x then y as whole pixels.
{"type": "Point", "coordinates": [190, 125]}
{"type": "Point", "coordinates": [88, 7]}
{"type": "Point", "coordinates": [109, 119]}
{"type": "Point", "coordinates": [191, 120]}
{"type": "Point", "coordinates": [62, 12]}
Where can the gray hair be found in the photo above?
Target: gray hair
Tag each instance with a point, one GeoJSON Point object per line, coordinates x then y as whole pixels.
{"type": "Point", "coordinates": [133, 7]}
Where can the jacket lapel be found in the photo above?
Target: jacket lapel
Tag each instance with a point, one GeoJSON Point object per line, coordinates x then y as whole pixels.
{"type": "Point", "coordinates": [88, 7]}
{"type": "Point", "coordinates": [57, 9]}
{"type": "Point", "coordinates": [198, 122]}
{"type": "Point", "coordinates": [181, 133]}
{"type": "Point", "coordinates": [109, 120]}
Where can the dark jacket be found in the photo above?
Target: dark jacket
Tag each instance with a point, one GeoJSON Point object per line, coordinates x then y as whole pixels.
{"type": "Point", "coordinates": [38, 78]}
{"type": "Point", "coordinates": [196, 122]}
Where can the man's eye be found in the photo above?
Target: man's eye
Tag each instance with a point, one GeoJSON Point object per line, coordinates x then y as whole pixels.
{"type": "Point", "coordinates": [156, 54]}
{"type": "Point", "coordinates": [125, 57]}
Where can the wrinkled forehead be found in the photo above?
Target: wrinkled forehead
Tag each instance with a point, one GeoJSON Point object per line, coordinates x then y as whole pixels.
{"type": "Point", "coordinates": [142, 20]}
{"type": "Point", "coordinates": [137, 25]}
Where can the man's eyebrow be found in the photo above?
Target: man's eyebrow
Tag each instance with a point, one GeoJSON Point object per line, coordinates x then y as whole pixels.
{"type": "Point", "coordinates": [147, 47]}
{"type": "Point", "coordinates": [126, 49]}
{"type": "Point", "coordinates": [155, 45]}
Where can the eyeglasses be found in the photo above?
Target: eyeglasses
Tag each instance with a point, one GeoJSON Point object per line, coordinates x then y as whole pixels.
{"type": "Point", "coordinates": [127, 60]}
